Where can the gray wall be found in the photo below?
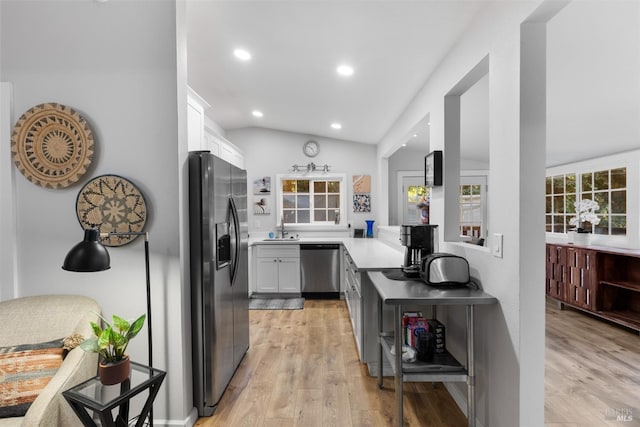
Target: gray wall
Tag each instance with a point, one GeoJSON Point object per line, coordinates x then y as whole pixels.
{"type": "Point", "coordinates": [116, 63]}
{"type": "Point", "coordinates": [269, 152]}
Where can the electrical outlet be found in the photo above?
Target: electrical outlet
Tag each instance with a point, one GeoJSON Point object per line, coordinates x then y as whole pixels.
{"type": "Point", "coordinates": [497, 245]}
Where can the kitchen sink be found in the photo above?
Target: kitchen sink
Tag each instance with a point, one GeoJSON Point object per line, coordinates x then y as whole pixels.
{"type": "Point", "coordinates": [280, 239]}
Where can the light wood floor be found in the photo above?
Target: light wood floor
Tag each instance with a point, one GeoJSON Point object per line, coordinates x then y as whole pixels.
{"type": "Point", "coordinates": [302, 370]}
{"type": "Point", "coordinates": [592, 371]}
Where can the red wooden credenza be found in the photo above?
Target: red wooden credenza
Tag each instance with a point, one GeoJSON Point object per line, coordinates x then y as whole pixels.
{"type": "Point", "coordinates": [601, 280]}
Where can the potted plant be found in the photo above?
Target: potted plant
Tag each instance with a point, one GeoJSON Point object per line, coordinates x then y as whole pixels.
{"type": "Point", "coordinates": [111, 343]}
{"type": "Point", "coordinates": [584, 220]}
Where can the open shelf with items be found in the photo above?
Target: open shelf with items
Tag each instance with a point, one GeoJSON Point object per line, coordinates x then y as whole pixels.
{"type": "Point", "coordinates": [443, 368]}
{"type": "Point", "coordinates": [620, 302]}
{"type": "Point", "coordinates": [600, 280]}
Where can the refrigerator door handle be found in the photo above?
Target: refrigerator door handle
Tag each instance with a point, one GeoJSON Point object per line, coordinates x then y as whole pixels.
{"type": "Point", "coordinates": [234, 230]}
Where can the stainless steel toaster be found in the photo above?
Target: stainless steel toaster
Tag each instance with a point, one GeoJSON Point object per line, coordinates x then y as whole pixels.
{"type": "Point", "coordinates": [443, 269]}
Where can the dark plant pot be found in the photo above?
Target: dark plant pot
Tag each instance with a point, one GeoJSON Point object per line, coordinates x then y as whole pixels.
{"type": "Point", "coordinates": [114, 373]}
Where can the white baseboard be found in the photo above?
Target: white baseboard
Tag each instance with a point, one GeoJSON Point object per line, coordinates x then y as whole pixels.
{"type": "Point", "coordinates": [187, 422]}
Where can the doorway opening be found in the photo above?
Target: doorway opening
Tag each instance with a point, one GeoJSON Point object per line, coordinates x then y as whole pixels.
{"type": "Point", "coordinates": [411, 193]}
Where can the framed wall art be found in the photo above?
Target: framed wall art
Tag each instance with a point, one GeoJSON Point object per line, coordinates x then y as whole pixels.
{"type": "Point", "coordinates": [111, 203]}
{"type": "Point", "coordinates": [52, 145]}
{"type": "Point", "coordinates": [261, 205]}
{"type": "Point", "coordinates": [362, 183]}
{"type": "Point", "coordinates": [433, 169]}
{"type": "Point", "coordinates": [362, 203]}
{"type": "Point", "coordinates": [262, 185]}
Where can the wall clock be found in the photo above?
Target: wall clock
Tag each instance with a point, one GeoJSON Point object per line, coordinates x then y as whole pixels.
{"type": "Point", "coordinates": [311, 148]}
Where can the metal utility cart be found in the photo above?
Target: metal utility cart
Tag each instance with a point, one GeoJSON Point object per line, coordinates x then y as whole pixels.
{"type": "Point", "coordinates": [444, 367]}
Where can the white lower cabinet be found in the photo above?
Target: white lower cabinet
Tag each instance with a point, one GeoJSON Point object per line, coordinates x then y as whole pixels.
{"type": "Point", "coordinates": [278, 269]}
{"type": "Point", "coordinates": [353, 297]}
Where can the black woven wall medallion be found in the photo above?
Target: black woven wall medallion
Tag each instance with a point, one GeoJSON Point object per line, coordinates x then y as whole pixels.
{"type": "Point", "coordinates": [52, 145]}
{"type": "Point", "coordinates": [111, 203]}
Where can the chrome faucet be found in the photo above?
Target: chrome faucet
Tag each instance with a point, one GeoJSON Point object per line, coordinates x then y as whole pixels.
{"type": "Point", "coordinates": [283, 232]}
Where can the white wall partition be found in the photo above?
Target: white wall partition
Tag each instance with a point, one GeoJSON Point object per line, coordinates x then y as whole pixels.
{"type": "Point", "coordinates": [508, 387]}
{"type": "Point", "coordinates": [8, 241]}
{"type": "Point", "coordinates": [116, 63]}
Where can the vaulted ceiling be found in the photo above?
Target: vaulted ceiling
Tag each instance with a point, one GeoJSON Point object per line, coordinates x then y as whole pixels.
{"type": "Point", "coordinates": [393, 47]}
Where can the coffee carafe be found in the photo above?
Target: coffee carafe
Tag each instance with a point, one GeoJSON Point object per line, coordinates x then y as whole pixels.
{"type": "Point", "coordinates": [420, 240]}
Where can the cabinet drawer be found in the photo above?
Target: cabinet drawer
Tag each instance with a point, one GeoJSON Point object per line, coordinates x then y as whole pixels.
{"type": "Point", "coordinates": [278, 251]}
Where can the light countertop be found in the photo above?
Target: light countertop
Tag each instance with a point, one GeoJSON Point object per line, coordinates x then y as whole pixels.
{"type": "Point", "coordinates": [397, 292]}
{"type": "Point", "coordinates": [367, 254]}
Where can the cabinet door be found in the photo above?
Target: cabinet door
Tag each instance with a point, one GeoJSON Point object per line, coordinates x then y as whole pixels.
{"type": "Point", "coordinates": [349, 295]}
{"type": "Point", "coordinates": [231, 155]}
{"type": "Point", "coordinates": [289, 274]}
{"type": "Point", "coordinates": [347, 299]}
{"type": "Point", "coordinates": [557, 271]}
{"type": "Point", "coordinates": [211, 143]}
{"type": "Point", "coordinates": [357, 319]}
{"type": "Point", "coordinates": [267, 275]}
{"type": "Point", "coordinates": [581, 277]}
{"type": "Point", "coordinates": [195, 126]}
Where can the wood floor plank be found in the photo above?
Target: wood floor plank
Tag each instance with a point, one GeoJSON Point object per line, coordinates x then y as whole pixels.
{"type": "Point", "coordinates": [283, 396]}
{"type": "Point", "coordinates": [308, 408]}
{"type": "Point", "coordinates": [592, 370]}
{"type": "Point", "coordinates": [302, 369]}
{"type": "Point", "coordinates": [336, 410]}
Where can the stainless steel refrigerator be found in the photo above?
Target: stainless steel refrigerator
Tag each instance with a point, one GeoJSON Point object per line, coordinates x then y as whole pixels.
{"type": "Point", "coordinates": [219, 275]}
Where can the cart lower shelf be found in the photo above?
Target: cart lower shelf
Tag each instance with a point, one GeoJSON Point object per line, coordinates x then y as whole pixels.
{"type": "Point", "coordinates": [443, 368]}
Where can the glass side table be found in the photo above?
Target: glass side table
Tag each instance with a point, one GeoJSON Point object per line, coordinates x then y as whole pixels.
{"type": "Point", "coordinates": [102, 399]}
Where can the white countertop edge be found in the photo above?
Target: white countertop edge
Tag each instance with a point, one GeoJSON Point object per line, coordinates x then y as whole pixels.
{"type": "Point", "coordinates": [367, 254]}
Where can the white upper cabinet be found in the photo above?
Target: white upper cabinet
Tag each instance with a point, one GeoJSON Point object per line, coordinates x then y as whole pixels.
{"type": "Point", "coordinates": [231, 154]}
{"type": "Point", "coordinates": [204, 133]}
{"type": "Point", "coordinates": [195, 120]}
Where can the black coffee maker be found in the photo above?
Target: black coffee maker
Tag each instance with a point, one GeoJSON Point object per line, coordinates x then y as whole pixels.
{"type": "Point", "coordinates": [420, 240]}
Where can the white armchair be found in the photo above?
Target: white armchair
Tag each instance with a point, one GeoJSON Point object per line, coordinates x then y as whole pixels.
{"type": "Point", "coordinates": [38, 319]}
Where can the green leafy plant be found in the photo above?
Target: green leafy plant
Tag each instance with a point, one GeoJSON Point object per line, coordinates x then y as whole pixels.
{"type": "Point", "coordinates": [112, 341]}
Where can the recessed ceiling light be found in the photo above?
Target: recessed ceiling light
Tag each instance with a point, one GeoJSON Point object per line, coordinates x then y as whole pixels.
{"type": "Point", "coordinates": [345, 70]}
{"type": "Point", "coordinates": [257, 113]}
{"type": "Point", "coordinates": [415, 135]}
{"type": "Point", "coordinates": [242, 54]}
{"type": "Point", "coordinates": [336, 125]}
{"type": "Point", "coordinates": [429, 124]}
{"type": "Point", "coordinates": [404, 145]}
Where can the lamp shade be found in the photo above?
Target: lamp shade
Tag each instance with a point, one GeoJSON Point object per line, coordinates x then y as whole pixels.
{"type": "Point", "coordinates": [88, 255]}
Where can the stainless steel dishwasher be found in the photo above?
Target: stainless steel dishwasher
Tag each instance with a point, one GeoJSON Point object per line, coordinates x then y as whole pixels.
{"type": "Point", "coordinates": [320, 270]}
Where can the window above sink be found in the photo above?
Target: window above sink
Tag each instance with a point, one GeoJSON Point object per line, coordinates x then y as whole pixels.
{"type": "Point", "coordinates": [311, 201]}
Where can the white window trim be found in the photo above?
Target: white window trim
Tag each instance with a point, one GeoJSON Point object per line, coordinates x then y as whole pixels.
{"type": "Point", "coordinates": [478, 177]}
{"type": "Point", "coordinates": [578, 195]}
{"type": "Point", "coordinates": [401, 203]}
{"type": "Point", "coordinates": [329, 176]}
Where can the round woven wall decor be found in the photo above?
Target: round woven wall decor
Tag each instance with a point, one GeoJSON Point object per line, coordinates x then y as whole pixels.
{"type": "Point", "coordinates": [110, 203]}
{"type": "Point", "coordinates": [52, 145]}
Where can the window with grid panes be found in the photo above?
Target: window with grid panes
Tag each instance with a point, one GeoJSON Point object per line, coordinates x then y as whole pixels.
{"type": "Point", "coordinates": [561, 193]}
{"type": "Point", "coordinates": [470, 210]}
{"type": "Point", "coordinates": [606, 187]}
{"type": "Point", "coordinates": [311, 201]}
